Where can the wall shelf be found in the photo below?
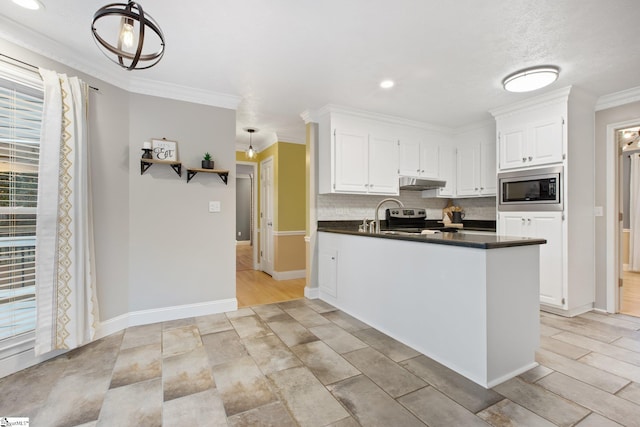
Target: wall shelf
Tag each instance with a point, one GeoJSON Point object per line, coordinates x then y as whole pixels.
{"type": "Point", "coordinates": [223, 174]}
{"type": "Point", "coordinates": [146, 164]}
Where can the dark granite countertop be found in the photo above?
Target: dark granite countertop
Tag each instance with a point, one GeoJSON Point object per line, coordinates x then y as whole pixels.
{"type": "Point", "coordinates": [479, 237]}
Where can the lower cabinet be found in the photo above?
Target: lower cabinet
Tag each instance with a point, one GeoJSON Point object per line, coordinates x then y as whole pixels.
{"type": "Point", "coordinates": [328, 271]}
{"type": "Point", "coordinates": [548, 226]}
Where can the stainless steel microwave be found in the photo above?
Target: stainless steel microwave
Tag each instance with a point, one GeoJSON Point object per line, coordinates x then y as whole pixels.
{"type": "Point", "coordinates": [531, 190]}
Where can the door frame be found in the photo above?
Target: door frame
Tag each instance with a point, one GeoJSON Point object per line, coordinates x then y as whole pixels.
{"type": "Point", "coordinates": [613, 257]}
{"type": "Point", "coordinates": [254, 214]}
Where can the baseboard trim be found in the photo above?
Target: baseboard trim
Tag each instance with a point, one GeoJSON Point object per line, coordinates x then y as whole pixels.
{"type": "Point", "coordinates": [288, 275]}
{"type": "Point", "coordinates": [567, 313]}
{"type": "Point", "coordinates": [311, 293]}
{"type": "Point", "coordinates": [145, 317]}
{"type": "Point", "coordinates": [243, 242]}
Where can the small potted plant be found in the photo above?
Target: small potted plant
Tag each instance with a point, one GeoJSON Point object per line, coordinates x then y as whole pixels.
{"type": "Point", "coordinates": [207, 163]}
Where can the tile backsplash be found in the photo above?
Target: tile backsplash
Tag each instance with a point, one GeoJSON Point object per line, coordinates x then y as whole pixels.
{"type": "Point", "coordinates": [357, 207]}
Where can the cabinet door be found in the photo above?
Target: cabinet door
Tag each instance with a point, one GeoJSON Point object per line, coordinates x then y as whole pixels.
{"type": "Point", "coordinates": [548, 225]}
{"type": "Point", "coordinates": [328, 271]}
{"type": "Point", "coordinates": [351, 162]}
{"type": "Point", "coordinates": [488, 180]}
{"type": "Point", "coordinates": [409, 157]}
{"type": "Point", "coordinates": [383, 166]}
{"type": "Point", "coordinates": [545, 142]}
{"type": "Point", "coordinates": [511, 224]}
{"type": "Point", "coordinates": [447, 169]}
{"type": "Point", "coordinates": [468, 170]}
{"type": "Point", "coordinates": [429, 160]}
{"type": "Point", "coordinates": [512, 149]}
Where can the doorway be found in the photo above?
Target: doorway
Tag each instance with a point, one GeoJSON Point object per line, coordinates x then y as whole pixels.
{"type": "Point", "coordinates": [628, 141]}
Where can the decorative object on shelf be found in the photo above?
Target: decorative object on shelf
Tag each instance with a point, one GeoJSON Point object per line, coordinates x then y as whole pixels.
{"type": "Point", "coordinates": [207, 163]}
{"type": "Point", "coordinates": [531, 78]}
{"type": "Point", "coordinates": [452, 214]}
{"type": "Point", "coordinates": [129, 46]}
{"type": "Point", "coordinates": [165, 150]}
{"type": "Point", "coordinates": [223, 174]}
{"type": "Point", "coordinates": [146, 147]}
{"type": "Point", "coordinates": [251, 152]}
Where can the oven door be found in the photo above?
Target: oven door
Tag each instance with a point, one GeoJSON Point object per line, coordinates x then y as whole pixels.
{"type": "Point", "coordinates": [531, 190]}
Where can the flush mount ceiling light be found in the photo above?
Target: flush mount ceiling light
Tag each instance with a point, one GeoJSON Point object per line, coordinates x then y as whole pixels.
{"type": "Point", "coordinates": [251, 152]}
{"type": "Point", "coordinates": [387, 84]}
{"type": "Point", "coordinates": [531, 79]}
{"type": "Point", "coordinates": [29, 4]}
{"type": "Point", "coordinates": [130, 38]}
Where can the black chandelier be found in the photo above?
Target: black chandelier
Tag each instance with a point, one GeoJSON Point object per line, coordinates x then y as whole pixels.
{"type": "Point", "coordinates": [128, 25]}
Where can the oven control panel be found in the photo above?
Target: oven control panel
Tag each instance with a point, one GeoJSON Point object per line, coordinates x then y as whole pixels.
{"type": "Point", "coordinates": [406, 213]}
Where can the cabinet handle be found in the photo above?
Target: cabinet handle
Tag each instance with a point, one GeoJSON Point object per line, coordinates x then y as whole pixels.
{"type": "Point", "coordinates": [333, 258]}
{"type": "Point", "coordinates": [524, 159]}
{"type": "Point", "coordinates": [481, 188]}
{"type": "Point", "coordinates": [422, 171]}
{"type": "Point", "coordinates": [417, 170]}
{"type": "Point", "coordinates": [476, 188]}
{"type": "Point", "coordinates": [522, 220]}
{"type": "Point", "coordinates": [530, 158]}
{"type": "Point", "coordinates": [529, 220]}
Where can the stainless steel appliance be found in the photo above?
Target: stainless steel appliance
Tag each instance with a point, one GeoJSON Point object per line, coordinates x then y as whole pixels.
{"type": "Point", "coordinates": [531, 190]}
{"type": "Point", "coordinates": [418, 184]}
{"type": "Point", "coordinates": [411, 220]}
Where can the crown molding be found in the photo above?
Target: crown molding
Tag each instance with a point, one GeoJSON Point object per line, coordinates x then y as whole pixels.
{"type": "Point", "coordinates": [289, 138]}
{"type": "Point", "coordinates": [309, 116]}
{"type": "Point", "coordinates": [183, 93]}
{"type": "Point", "coordinates": [618, 98]}
{"type": "Point", "coordinates": [378, 117]}
{"type": "Point", "coordinates": [38, 43]}
{"type": "Point", "coordinates": [534, 102]}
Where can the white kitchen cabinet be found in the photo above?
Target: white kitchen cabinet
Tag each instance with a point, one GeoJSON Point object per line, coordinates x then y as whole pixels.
{"type": "Point", "coordinates": [365, 163]}
{"type": "Point", "coordinates": [447, 169]}
{"type": "Point", "coordinates": [328, 271]}
{"type": "Point", "coordinates": [418, 159]}
{"type": "Point", "coordinates": [548, 226]}
{"type": "Point", "coordinates": [530, 143]}
{"type": "Point", "coordinates": [476, 170]}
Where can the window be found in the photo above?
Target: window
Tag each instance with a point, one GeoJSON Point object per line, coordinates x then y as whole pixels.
{"type": "Point", "coordinates": [21, 101]}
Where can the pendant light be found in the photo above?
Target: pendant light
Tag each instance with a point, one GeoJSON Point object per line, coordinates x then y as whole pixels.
{"type": "Point", "coordinates": [251, 152]}
{"type": "Point", "coordinates": [124, 27]}
{"type": "Point", "coordinates": [531, 78]}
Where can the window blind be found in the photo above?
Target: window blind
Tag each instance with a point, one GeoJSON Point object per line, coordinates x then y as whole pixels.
{"type": "Point", "coordinates": [20, 122]}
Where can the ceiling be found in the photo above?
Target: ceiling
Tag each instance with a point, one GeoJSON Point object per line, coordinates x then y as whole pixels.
{"type": "Point", "coordinates": [282, 57]}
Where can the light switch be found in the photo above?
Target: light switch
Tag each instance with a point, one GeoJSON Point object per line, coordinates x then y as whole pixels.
{"type": "Point", "coordinates": [214, 206]}
{"type": "Point", "coordinates": [597, 211]}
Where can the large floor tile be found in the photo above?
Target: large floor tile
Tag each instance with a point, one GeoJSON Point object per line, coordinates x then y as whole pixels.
{"type": "Point", "coordinates": [437, 410]}
{"type": "Point", "coordinates": [606, 404]}
{"type": "Point", "coordinates": [213, 323]}
{"type": "Point", "coordinates": [611, 320]}
{"type": "Point", "coordinates": [307, 317]}
{"type": "Point", "coordinates": [386, 345]}
{"type": "Point", "coordinates": [242, 385]}
{"type": "Point", "coordinates": [97, 356]}
{"type": "Point", "coordinates": [563, 348]}
{"type": "Point", "coordinates": [383, 371]}
{"type": "Point", "coordinates": [138, 404]}
{"type": "Point", "coordinates": [631, 393]}
{"type": "Point", "coordinates": [581, 371]}
{"type": "Point", "coordinates": [346, 322]}
{"type": "Point", "coordinates": [137, 364]}
{"type": "Point", "coordinates": [292, 333]}
{"type": "Point", "coordinates": [269, 311]}
{"type": "Point", "coordinates": [534, 374]}
{"type": "Point", "coordinates": [307, 399]}
{"type": "Point", "coordinates": [337, 338]}
{"type": "Point", "coordinates": [271, 415]}
{"type": "Point", "coordinates": [611, 350]}
{"type": "Point", "coordinates": [181, 339]}
{"type": "Point", "coordinates": [327, 365]}
{"type": "Point", "coordinates": [462, 390]}
{"type": "Point", "coordinates": [597, 420]}
{"type": "Point", "coordinates": [223, 347]}
{"type": "Point", "coordinates": [628, 343]}
{"type": "Point", "coordinates": [204, 409]}
{"type": "Point", "coordinates": [142, 335]}
{"type": "Point", "coordinates": [569, 325]}
{"type": "Point", "coordinates": [370, 405]}
{"type": "Point", "coordinates": [542, 402]}
{"type": "Point", "coordinates": [271, 354]}
{"type": "Point", "coordinates": [320, 306]}
{"type": "Point", "coordinates": [614, 366]}
{"type": "Point", "coordinates": [506, 414]}
{"type": "Point", "coordinates": [186, 374]}
{"type": "Point", "coordinates": [250, 327]}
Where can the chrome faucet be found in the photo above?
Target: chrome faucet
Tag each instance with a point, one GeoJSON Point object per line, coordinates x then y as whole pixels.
{"type": "Point", "coordinates": [377, 217]}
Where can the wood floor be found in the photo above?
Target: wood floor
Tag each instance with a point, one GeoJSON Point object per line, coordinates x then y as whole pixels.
{"type": "Point", "coordinates": [630, 303]}
{"type": "Point", "coordinates": [256, 287]}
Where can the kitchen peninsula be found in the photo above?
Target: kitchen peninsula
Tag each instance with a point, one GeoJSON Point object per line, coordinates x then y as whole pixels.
{"type": "Point", "coordinates": [468, 301]}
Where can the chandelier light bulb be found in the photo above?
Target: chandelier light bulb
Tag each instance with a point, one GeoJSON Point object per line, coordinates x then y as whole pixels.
{"type": "Point", "coordinates": [126, 33]}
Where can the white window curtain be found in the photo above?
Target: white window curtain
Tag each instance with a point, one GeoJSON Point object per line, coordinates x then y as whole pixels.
{"type": "Point", "coordinates": [634, 215]}
{"type": "Point", "coordinates": [67, 308]}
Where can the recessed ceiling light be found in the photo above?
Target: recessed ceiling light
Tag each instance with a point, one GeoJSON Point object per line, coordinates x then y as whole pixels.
{"type": "Point", "coordinates": [531, 79]}
{"type": "Point", "coordinates": [386, 84]}
{"type": "Point", "coordinates": [29, 4]}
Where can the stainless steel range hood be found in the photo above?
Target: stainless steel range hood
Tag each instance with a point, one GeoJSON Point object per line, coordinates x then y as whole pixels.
{"type": "Point", "coordinates": [417, 184]}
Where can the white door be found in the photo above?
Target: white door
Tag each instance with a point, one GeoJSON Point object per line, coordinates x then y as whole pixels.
{"type": "Point", "coordinates": [266, 215]}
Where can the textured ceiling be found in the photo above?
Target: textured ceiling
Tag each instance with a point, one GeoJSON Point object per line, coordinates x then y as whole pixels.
{"type": "Point", "coordinates": [282, 57]}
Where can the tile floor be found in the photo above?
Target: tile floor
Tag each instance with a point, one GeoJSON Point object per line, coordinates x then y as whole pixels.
{"type": "Point", "coordinates": [304, 363]}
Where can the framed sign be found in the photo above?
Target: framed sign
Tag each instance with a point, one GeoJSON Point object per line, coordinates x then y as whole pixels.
{"type": "Point", "coordinates": [164, 150]}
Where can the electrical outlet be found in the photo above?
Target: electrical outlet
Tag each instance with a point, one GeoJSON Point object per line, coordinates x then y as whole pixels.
{"type": "Point", "coordinates": [239, 233]}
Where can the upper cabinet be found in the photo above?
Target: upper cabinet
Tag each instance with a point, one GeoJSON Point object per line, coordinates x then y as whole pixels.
{"type": "Point", "coordinates": [476, 169]}
{"type": "Point", "coordinates": [525, 143]}
{"type": "Point", "coordinates": [419, 159]}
